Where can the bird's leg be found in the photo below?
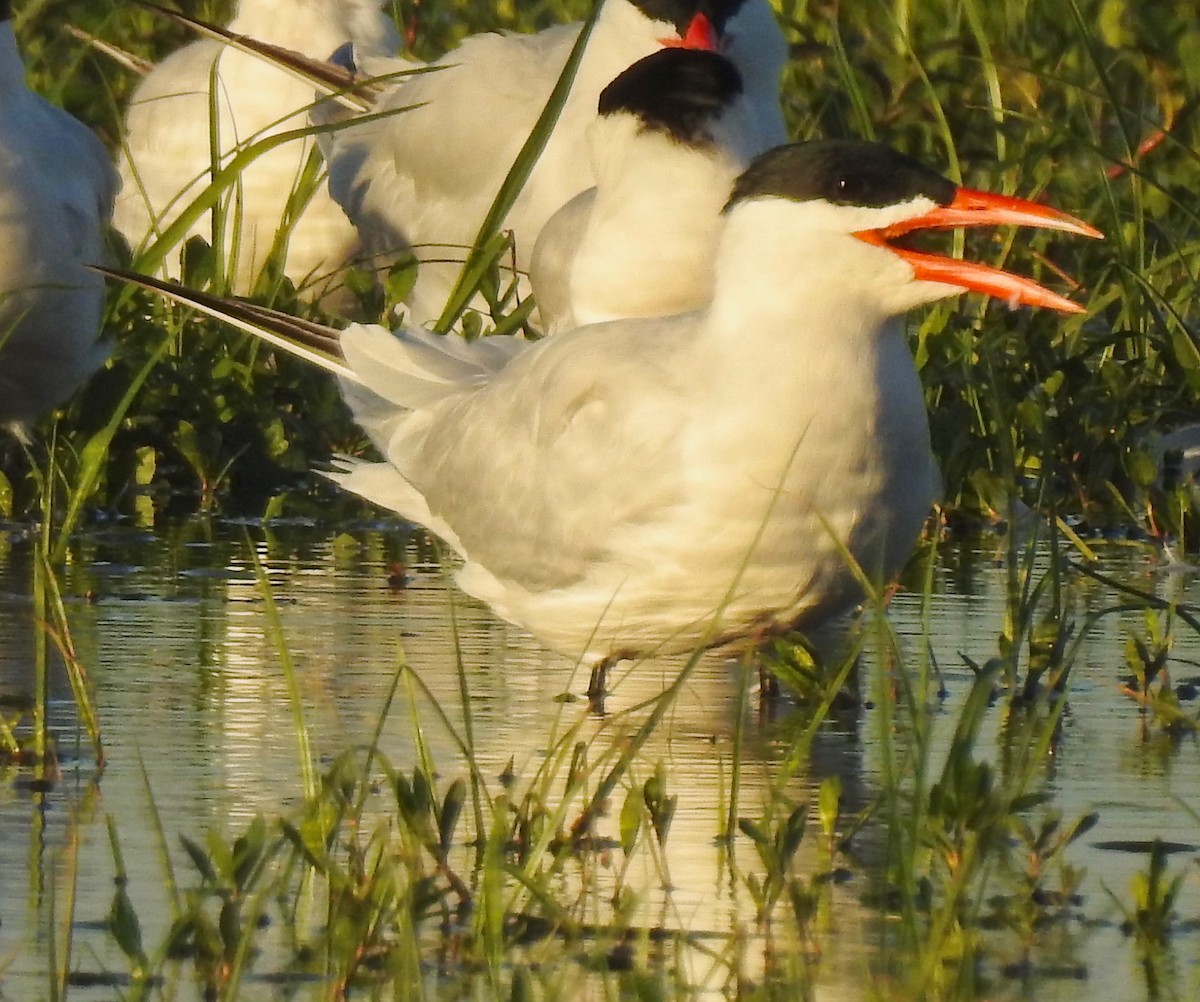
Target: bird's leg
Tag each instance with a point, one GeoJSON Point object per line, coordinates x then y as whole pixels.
{"type": "Point", "coordinates": [768, 684]}
{"type": "Point", "coordinates": [595, 689]}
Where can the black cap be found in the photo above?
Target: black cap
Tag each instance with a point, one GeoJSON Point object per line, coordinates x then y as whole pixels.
{"type": "Point", "coordinates": [677, 91]}
{"type": "Point", "coordinates": [841, 171]}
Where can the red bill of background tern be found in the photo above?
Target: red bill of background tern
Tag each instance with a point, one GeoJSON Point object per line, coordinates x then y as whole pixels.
{"type": "Point", "coordinates": [424, 179]}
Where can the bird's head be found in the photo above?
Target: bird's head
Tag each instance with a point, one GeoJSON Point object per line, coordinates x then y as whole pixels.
{"type": "Point", "coordinates": [856, 201]}
{"type": "Point", "coordinates": [680, 92]}
{"type": "Point", "coordinates": [694, 24]}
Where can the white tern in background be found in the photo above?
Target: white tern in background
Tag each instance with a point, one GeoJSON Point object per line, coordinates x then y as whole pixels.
{"type": "Point", "coordinates": [670, 139]}
{"type": "Point", "coordinates": [424, 179]}
{"type": "Point", "coordinates": [166, 160]}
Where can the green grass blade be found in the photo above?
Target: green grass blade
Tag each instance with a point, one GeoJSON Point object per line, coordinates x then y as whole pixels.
{"type": "Point", "coordinates": [95, 453]}
{"type": "Point", "coordinates": [478, 258]}
{"type": "Point", "coordinates": [278, 638]}
{"type": "Point", "coordinates": [151, 257]}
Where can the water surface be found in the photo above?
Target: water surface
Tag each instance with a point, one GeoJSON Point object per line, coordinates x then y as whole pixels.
{"type": "Point", "coordinates": [196, 718]}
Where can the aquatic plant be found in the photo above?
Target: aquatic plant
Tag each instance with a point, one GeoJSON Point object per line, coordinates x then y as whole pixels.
{"type": "Point", "coordinates": [395, 874]}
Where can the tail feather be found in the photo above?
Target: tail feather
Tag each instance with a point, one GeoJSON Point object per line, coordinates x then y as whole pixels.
{"type": "Point", "coordinates": [413, 367]}
{"type": "Point", "coordinates": [387, 379]}
{"type": "Point", "coordinates": [123, 57]}
{"type": "Point", "coordinates": [406, 369]}
{"type": "Point", "coordinates": [382, 484]}
{"type": "Point", "coordinates": [314, 343]}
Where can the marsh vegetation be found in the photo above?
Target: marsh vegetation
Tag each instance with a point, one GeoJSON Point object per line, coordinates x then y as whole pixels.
{"type": "Point", "coordinates": [984, 792]}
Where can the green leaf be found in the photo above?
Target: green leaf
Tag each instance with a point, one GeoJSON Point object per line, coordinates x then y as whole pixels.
{"type": "Point", "coordinates": [313, 850]}
{"type": "Point", "coordinates": [248, 851]}
{"type": "Point", "coordinates": [630, 824]}
{"type": "Point", "coordinates": [127, 929]}
{"type": "Point", "coordinates": [754, 831]}
{"type": "Point", "coordinates": [789, 838]}
{"type": "Point", "coordinates": [229, 922]}
{"type": "Point", "coordinates": [199, 859]}
{"type": "Point", "coordinates": [828, 803]}
{"type": "Point", "coordinates": [452, 807]}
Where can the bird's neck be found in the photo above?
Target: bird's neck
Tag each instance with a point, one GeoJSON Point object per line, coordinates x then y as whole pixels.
{"type": "Point", "coordinates": [620, 18]}
{"type": "Point", "coordinates": [758, 48]}
{"type": "Point", "coordinates": [637, 171]}
{"type": "Point", "coordinates": [782, 289]}
{"type": "Point", "coordinates": [648, 246]}
{"type": "Point", "coordinates": [620, 37]}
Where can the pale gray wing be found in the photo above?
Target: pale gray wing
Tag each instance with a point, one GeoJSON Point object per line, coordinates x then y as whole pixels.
{"type": "Point", "coordinates": [575, 442]}
{"type": "Point", "coordinates": [430, 173]}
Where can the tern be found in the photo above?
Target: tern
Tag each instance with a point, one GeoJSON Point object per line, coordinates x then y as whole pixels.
{"type": "Point", "coordinates": [670, 138]}
{"type": "Point", "coordinates": [167, 157]}
{"type": "Point", "coordinates": [56, 195]}
{"type": "Point", "coordinates": [649, 486]}
{"type": "Point", "coordinates": [424, 179]}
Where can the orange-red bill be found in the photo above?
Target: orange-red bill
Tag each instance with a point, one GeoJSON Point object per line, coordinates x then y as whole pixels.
{"type": "Point", "coordinates": [1015, 290]}
{"type": "Point", "coordinates": [700, 34]}
{"type": "Point", "coordinates": [982, 208]}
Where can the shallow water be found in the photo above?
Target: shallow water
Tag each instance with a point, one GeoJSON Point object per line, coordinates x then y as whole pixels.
{"type": "Point", "coordinates": [196, 719]}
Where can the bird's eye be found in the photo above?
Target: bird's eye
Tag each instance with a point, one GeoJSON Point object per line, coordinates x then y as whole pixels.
{"type": "Point", "coordinates": [846, 189]}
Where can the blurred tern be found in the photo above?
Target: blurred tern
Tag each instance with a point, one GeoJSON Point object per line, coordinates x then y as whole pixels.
{"type": "Point", "coordinates": [425, 178]}
{"type": "Point", "coordinates": [167, 160]}
{"type": "Point", "coordinates": [669, 141]}
{"type": "Point", "coordinates": [648, 486]}
{"type": "Point", "coordinates": [56, 194]}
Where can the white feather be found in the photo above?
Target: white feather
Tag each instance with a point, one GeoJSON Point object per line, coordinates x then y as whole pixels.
{"type": "Point", "coordinates": [647, 485]}
{"type": "Point", "coordinates": [166, 158]}
{"type": "Point", "coordinates": [425, 179]}
{"type": "Point", "coordinates": [642, 242]}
